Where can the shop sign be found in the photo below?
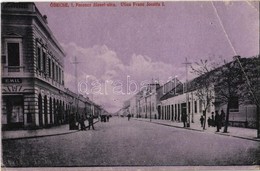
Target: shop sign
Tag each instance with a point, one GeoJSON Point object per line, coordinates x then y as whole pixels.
{"type": "Point", "coordinates": [11, 80]}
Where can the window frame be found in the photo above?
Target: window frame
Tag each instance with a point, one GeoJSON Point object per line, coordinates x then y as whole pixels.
{"type": "Point", "coordinates": [13, 40]}
{"type": "Point", "coordinates": [44, 57]}
{"type": "Point", "coordinates": [232, 104]}
{"type": "Point", "coordinates": [39, 57]}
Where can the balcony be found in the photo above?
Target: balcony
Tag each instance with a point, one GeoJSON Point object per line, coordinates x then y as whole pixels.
{"type": "Point", "coordinates": [44, 76]}
{"type": "Point", "coordinates": [10, 70]}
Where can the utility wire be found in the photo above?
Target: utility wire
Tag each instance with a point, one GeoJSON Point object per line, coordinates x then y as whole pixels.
{"type": "Point", "coordinates": [236, 55]}
{"type": "Point", "coordinates": [223, 28]}
{"type": "Point", "coordinates": [257, 10]}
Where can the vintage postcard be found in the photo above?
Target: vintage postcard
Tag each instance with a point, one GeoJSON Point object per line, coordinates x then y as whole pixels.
{"type": "Point", "coordinates": [130, 85]}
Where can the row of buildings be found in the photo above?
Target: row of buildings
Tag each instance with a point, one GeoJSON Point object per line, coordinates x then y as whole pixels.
{"type": "Point", "coordinates": [33, 90]}
{"type": "Point", "coordinates": [173, 99]}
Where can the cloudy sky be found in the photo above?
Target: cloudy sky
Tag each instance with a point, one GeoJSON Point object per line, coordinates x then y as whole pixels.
{"type": "Point", "coordinates": [120, 45]}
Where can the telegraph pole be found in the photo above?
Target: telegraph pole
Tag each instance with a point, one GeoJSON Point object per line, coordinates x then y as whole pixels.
{"type": "Point", "coordinates": [186, 63]}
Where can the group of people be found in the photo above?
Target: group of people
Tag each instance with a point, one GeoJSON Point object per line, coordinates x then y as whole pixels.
{"type": "Point", "coordinates": [217, 120]}
{"type": "Point", "coordinates": [81, 122]}
{"type": "Point", "coordinates": [104, 118]}
{"type": "Point", "coordinates": [90, 119]}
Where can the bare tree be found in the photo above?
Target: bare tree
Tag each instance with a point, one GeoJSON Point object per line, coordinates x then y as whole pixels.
{"type": "Point", "coordinates": [238, 80]}
{"type": "Point", "coordinates": [251, 75]}
{"type": "Point", "coordinates": [219, 84]}
{"type": "Point", "coordinates": [204, 84]}
{"type": "Point", "coordinates": [228, 83]}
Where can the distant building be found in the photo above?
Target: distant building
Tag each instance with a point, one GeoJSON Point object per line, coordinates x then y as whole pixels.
{"type": "Point", "coordinates": [148, 100]}
{"type": "Point", "coordinates": [146, 103]}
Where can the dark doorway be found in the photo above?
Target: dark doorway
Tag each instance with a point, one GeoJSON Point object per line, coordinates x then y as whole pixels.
{"type": "Point", "coordinates": [159, 112]}
{"type": "Point", "coordinates": [45, 111]}
{"type": "Point", "coordinates": [15, 111]}
{"type": "Point", "coordinates": [51, 122]}
{"type": "Point", "coordinates": [183, 108]}
{"type": "Point", "coordinates": [172, 113]}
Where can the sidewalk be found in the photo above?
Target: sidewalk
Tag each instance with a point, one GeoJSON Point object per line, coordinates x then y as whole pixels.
{"type": "Point", "coordinates": [244, 133]}
{"type": "Point", "coordinates": [53, 131]}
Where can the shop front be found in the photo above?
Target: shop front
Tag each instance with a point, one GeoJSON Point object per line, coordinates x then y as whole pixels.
{"type": "Point", "coordinates": [13, 111]}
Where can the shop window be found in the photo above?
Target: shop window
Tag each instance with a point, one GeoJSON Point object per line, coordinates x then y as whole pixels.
{"type": "Point", "coordinates": [200, 106]}
{"type": "Point", "coordinates": [29, 118]}
{"type": "Point", "coordinates": [14, 109]}
{"type": "Point", "coordinates": [234, 104]}
{"type": "Point", "coordinates": [3, 59]}
{"type": "Point", "coordinates": [188, 107]}
{"type": "Point", "coordinates": [195, 107]}
{"type": "Point", "coordinates": [172, 112]}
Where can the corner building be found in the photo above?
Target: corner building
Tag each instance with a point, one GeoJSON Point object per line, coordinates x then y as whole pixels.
{"type": "Point", "coordinates": [33, 93]}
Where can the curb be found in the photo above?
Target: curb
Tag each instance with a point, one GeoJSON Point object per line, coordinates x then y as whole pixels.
{"type": "Point", "coordinates": [192, 129]}
{"type": "Point", "coordinates": [41, 136]}
{"type": "Point", "coordinates": [236, 136]}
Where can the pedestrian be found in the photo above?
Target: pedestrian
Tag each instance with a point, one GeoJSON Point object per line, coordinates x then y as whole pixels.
{"type": "Point", "coordinates": [209, 122]}
{"type": "Point", "coordinates": [129, 116]}
{"type": "Point", "coordinates": [218, 121]}
{"type": "Point", "coordinates": [201, 120]}
{"type": "Point", "coordinates": [212, 119]}
{"type": "Point", "coordinates": [91, 122]}
{"type": "Point", "coordinates": [82, 124]}
{"type": "Point", "coordinates": [107, 118]}
{"type": "Point", "coordinates": [77, 119]}
{"type": "Point", "coordinates": [184, 119]}
{"type": "Point", "coordinates": [72, 122]}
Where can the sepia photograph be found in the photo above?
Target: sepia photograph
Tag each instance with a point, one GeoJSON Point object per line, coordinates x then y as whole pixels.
{"type": "Point", "coordinates": [130, 85]}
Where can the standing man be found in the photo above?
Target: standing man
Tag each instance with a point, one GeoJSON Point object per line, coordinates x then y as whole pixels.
{"type": "Point", "coordinates": [184, 119]}
{"type": "Point", "coordinates": [212, 119]}
{"type": "Point", "coordinates": [129, 116]}
{"type": "Point", "coordinates": [218, 121]}
{"type": "Point", "coordinates": [91, 122]}
{"type": "Point", "coordinates": [201, 120]}
{"type": "Point", "coordinates": [82, 123]}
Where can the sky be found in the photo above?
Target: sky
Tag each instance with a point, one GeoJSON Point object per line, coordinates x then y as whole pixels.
{"type": "Point", "coordinates": [120, 49]}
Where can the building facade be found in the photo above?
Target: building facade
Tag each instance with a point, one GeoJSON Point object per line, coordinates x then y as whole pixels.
{"type": "Point", "coordinates": [33, 92]}
{"type": "Point", "coordinates": [174, 98]}
{"type": "Point", "coordinates": [195, 101]}
{"type": "Point", "coordinates": [179, 102]}
{"type": "Point", "coordinates": [146, 103]}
